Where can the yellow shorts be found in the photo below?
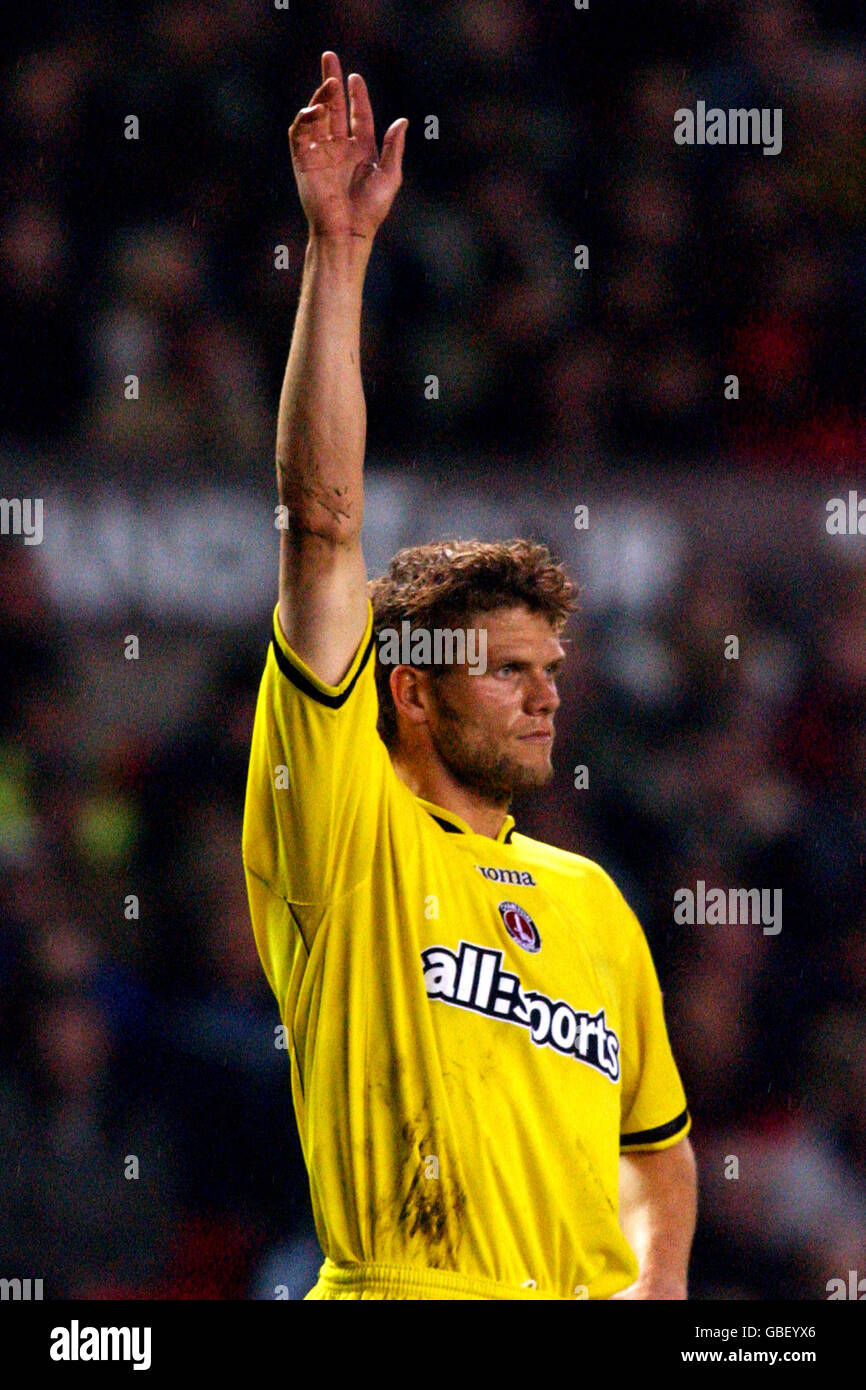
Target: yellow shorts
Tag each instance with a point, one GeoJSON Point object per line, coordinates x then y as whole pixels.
{"type": "Point", "coordinates": [357, 1281]}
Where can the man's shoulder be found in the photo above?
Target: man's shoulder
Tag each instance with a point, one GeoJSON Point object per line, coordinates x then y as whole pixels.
{"type": "Point", "coordinates": [554, 857]}
{"type": "Point", "coordinates": [575, 869]}
{"type": "Point", "coordinates": [301, 680]}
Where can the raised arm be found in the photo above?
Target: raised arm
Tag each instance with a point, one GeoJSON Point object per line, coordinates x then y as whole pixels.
{"type": "Point", "coordinates": [346, 190]}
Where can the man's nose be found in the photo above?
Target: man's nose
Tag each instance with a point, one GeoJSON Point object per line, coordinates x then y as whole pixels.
{"type": "Point", "coordinates": [542, 693]}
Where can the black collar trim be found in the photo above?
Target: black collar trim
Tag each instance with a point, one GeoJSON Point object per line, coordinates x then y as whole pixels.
{"type": "Point", "coordinates": [455, 829]}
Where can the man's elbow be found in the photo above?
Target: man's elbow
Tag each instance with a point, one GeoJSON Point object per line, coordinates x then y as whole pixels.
{"type": "Point", "coordinates": [330, 515]}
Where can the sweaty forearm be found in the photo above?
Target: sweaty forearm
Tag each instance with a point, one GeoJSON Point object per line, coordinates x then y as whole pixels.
{"type": "Point", "coordinates": [322, 421]}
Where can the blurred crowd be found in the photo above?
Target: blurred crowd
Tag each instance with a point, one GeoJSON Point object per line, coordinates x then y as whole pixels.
{"type": "Point", "coordinates": [156, 255]}
{"type": "Point", "coordinates": [145, 1111]}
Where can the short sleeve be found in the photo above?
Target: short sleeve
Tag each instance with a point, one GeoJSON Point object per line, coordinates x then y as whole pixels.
{"type": "Point", "coordinates": [654, 1112]}
{"type": "Point", "coordinates": [320, 780]}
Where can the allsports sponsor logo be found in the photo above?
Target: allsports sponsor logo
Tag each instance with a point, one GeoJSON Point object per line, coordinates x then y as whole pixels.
{"type": "Point", "coordinates": [473, 978]}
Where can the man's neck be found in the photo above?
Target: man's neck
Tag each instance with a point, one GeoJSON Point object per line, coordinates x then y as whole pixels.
{"type": "Point", "coordinates": [436, 785]}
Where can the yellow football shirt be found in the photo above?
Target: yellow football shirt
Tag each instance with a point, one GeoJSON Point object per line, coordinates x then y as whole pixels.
{"type": "Point", "coordinates": [475, 1025]}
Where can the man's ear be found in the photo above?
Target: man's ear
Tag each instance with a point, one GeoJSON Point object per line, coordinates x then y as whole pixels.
{"type": "Point", "coordinates": [410, 691]}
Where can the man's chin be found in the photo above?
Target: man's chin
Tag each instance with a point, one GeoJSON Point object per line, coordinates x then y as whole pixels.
{"type": "Point", "coordinates": [528, 774]}
{"type": "Point", "coordinates": [496, 774]}
{"type": "Point", "coordinates": [532, 779]}
{"type": "Point", "coordinates": [501, 784]}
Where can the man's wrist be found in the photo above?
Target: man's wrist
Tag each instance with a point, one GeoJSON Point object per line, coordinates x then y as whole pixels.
{"type": "Point", "coordinates": [342, 252]}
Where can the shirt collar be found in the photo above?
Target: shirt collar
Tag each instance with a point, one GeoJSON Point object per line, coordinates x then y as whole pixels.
{"type": "Point", "coordinates": [455, 825]}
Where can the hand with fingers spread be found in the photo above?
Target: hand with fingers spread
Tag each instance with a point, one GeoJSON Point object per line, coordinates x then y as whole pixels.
{"type": "Point", "coordinates": [346, 187]}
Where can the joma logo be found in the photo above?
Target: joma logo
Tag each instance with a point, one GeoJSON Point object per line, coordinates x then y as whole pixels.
{"type": "Point", "coordinates": [521, 877]}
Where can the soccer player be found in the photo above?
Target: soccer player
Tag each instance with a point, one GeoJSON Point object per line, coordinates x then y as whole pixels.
{"type": "Point", "coordinates": [484, 1088]}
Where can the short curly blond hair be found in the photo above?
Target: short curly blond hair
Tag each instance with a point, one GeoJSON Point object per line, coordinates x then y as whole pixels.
{"type": "Point", "coordinates": [444, 584]}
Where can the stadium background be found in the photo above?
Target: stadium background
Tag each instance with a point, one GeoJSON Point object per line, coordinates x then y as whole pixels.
{"type": "Point", "coordinates": [558, 388]}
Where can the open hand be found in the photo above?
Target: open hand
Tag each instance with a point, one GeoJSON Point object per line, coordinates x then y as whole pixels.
{"type": "Point", "coordinates": [346, 187]}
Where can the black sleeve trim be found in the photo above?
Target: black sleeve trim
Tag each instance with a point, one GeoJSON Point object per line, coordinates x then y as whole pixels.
{"type": "Point", "coordinates": [654, 1136]}
{"type": "Point", "coordinates": [306, 687]}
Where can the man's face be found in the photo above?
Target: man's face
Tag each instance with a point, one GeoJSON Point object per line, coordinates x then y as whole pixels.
{"type": "Point", "coordinates": [494, 732]}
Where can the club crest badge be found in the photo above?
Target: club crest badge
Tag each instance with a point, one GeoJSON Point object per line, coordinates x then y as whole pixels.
{"type": "Point", "coordinates": [520, 926]}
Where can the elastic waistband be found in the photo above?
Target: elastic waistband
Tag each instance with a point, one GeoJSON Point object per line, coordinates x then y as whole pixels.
{"type": "Point", "coordinates": [405, 1280]}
